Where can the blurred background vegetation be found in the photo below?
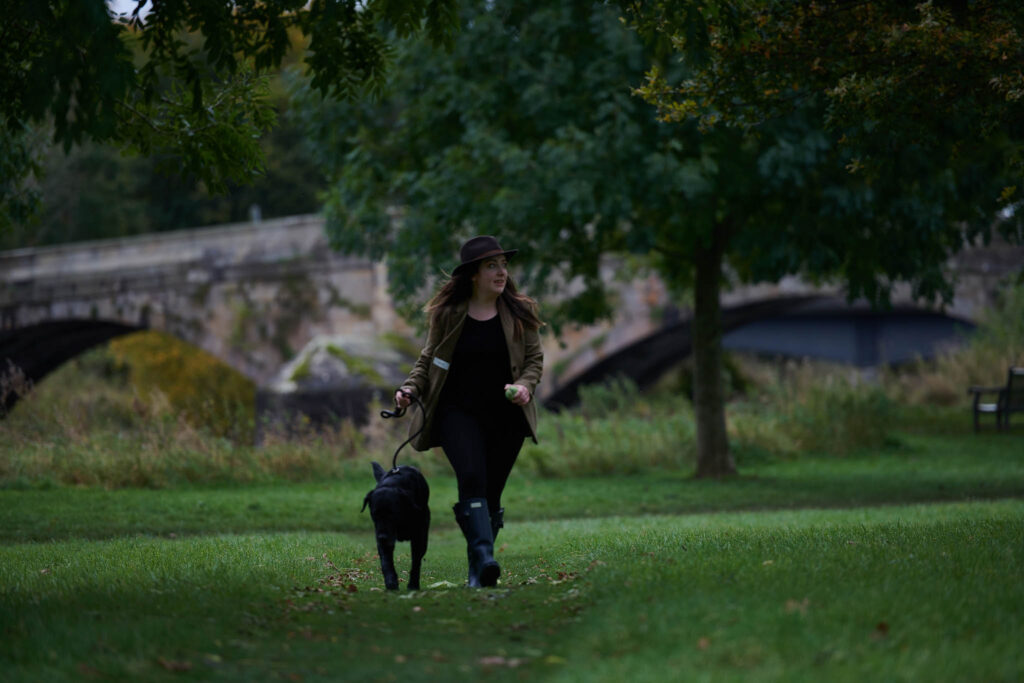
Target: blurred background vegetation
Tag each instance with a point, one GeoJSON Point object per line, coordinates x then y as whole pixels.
{"type": "Point", "coordinates": [138, 412]}
{"type": "Point", "coordinates": [96, 191]}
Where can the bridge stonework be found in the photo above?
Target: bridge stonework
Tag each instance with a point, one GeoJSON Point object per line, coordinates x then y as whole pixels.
{"type": "Point", "coordinates": [254, 295]}
{"type": "Point", "coordinates": [250, 294]}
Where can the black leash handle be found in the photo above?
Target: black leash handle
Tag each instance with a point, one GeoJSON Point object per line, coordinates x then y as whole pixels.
{"type": "Point", "coordinates": [399, 412]}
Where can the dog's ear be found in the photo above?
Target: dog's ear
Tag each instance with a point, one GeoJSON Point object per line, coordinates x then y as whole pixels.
{"type": "Point", "coordinates": [378, 471]}
{"type": "Point", "coordinates": [366, 500]}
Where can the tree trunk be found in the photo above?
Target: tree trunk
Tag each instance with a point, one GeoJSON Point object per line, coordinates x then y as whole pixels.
{"type": "Point", "coordinates": [713, 456]}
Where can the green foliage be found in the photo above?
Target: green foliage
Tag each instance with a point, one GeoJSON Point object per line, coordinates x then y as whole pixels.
{"type": "Point", "coordinates": [919, 134]}
{"type": "Point", "coordinates": [529, 131]}
{"type": "Point", "coordinates": [19, 161]}
{"type": "Point", "coordinates": [680, 379]}
{"type": "Point", "coordinates": [526, 130]}
{"type": "Point", "coordinates": [184, 80]}
{"type": "Point", "coordinates": [95, 192]}
{"type": "Point", "coordinates": [940, 74]}
{"type": "Point", "coordinates": [868, 174]}
{"type": "Point", "coordinates": [195, 385]}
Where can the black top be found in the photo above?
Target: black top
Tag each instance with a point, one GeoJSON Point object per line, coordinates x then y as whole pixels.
{"type": "Point", "coordinates": [480, 370]}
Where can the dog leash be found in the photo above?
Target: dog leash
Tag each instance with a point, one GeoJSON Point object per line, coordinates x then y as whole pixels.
{"type": "Point", "coordinates": [399, 412]}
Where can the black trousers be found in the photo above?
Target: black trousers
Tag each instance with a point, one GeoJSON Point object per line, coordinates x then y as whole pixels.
{"type": "Point", "coordinates": [481, 450]}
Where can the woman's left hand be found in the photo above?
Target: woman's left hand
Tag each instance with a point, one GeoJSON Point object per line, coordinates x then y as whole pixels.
{"type": "Point", "coordinates": [521, 396]}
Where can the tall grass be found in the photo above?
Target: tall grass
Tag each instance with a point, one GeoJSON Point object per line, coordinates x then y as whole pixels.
{"type": "Point", "coordinates": [615, 430]}
{"type": "Point", "coordinates": [87, 424]}
{"type": "Point", "coordinates": [996, 344]}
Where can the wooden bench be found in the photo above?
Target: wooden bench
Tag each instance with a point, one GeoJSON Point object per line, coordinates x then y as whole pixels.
{"type": "Point", "coordinates": [1009, 399]}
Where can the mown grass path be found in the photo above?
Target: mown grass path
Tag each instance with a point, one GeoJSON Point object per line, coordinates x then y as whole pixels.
{"type": "Point", "coordinates": [835, 570]}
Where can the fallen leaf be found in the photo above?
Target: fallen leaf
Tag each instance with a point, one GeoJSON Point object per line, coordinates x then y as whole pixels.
{"type": "Point", "coordinates": [881, 631]}
{"type": "Point", "coordinates": [45, 571]}
{"type": "Point", "coordinates": [768, 563]}
{"type": "Point", "coordinates": [351, 588]}
{"type": "Point", "coordinates": [401, 659]}
{"type": "Point", "coordinates": [417, 608]}
{"type": "Point", "coordinates": [703, 643]}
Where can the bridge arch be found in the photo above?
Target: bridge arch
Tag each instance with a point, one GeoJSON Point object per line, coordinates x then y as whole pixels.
{"type": "Point", "coordinates": [36, 350]}
{"type": "Point", "coordinates": [813, 326]}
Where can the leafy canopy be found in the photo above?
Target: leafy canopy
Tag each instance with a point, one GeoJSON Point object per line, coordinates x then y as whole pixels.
{"type": "Point", "coordinates": [941, 74]}
{"type": "Point", "coordinates": [526, 130]}
{"type": "Point", "coordinates": [182, 80]}
{"type": "Point", "coordinates": [919, 105]}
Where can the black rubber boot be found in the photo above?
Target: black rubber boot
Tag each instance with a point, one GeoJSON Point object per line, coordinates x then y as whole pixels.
{"type": "Point", "coordinates": [475, 522]}
{"type": "Point", "coordinates": [497, 523]}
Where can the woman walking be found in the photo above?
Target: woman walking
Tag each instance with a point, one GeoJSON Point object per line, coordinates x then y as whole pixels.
{"type": "Point", "coordinates": [476, 377]}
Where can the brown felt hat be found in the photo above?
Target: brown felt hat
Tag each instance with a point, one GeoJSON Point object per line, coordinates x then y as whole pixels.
{"type": "Point", "coordinates": [479, 248]}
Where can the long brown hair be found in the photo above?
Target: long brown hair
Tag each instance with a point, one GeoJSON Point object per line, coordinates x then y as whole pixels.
{"type": "Point", "coordinates": [459, 288]}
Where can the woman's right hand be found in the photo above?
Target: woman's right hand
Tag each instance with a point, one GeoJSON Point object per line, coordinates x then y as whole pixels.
{"type": "Point", "coordinates": [402, 399]}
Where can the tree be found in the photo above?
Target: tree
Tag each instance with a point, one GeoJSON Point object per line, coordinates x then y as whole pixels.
{"type": "Point", "coordinates": [183, 82]}
{"type": "Point", "coordinates": [529, 130]}
{"type": "Point", "coordinates": [95, 191]}
{"type": "Point", "coordinates": [919, 113]}
{"type": "Point", "coordinates": [943, 74]}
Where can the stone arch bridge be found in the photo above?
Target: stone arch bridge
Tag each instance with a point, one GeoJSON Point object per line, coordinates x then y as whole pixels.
{"type": "Point", "coordinates": [254, 295]}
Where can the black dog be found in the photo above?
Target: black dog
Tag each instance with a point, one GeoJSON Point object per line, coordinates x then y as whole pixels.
{"type": "Point", "coordinates": [398, 506]}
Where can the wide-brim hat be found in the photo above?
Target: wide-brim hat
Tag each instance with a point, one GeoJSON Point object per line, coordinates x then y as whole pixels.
{"type": "Point", "coordinates": [479, 248]}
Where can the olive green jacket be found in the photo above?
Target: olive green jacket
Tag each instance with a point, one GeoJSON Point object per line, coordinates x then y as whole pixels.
{"type": "Point", "coordinates": [428, 375]}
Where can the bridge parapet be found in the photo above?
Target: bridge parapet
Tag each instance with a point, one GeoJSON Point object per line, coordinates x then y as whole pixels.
{"type": "Point", "coordinates": [251, 294]}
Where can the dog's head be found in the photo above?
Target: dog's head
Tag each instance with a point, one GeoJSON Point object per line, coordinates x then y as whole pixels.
{"type": "Point", "coordinates": [404, 482]}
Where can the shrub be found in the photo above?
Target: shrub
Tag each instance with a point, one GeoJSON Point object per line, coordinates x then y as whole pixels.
{"type": "Point", "coordinates": [206, 392]}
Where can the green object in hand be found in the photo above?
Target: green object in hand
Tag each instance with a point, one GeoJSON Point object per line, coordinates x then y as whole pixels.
{"type": "Point", "coordinates": [511, 392]}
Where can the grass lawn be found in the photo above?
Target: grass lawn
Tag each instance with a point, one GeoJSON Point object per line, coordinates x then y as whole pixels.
{"type": "Point", "coordinates": [902, 565]}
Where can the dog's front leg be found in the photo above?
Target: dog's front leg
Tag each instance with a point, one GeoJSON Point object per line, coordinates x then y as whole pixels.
{"type": "Point", "coordinates": [386, 550]}
{"type": "Point", "coordinates": [419, 549]}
